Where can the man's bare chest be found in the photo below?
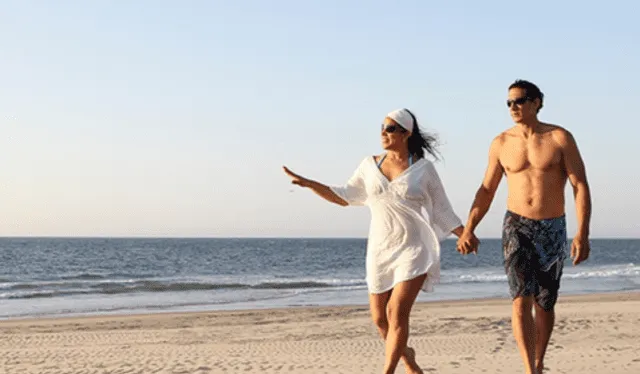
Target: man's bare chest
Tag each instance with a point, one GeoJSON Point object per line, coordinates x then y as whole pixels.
{"type": "Point", "coordinates": [518, 156]}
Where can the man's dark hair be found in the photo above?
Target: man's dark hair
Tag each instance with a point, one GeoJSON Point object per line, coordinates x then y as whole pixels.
{"type": "Point", "coordinates": [530, 90]}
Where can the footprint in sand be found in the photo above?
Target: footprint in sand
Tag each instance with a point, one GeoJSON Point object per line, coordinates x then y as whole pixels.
{"type": "Point", "coordinates": [501, 342]}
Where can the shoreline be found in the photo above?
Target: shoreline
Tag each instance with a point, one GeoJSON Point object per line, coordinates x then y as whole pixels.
{"type": "Point", "coordinates": [475, 302]}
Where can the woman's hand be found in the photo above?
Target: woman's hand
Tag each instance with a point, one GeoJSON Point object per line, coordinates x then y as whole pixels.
{"type": "Point", "coordinates": [318, 188]}
{"type": "Point", "coordinates": [296, 179]}
{"type": "Point", "coordinates": [467, 243]}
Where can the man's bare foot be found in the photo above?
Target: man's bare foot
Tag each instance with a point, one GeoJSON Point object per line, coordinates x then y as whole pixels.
{"type": "Point", "coordinates": [410, 364]}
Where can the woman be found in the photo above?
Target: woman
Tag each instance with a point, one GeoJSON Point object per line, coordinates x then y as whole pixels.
{"type": "Point", "coordinates": [403, 248]}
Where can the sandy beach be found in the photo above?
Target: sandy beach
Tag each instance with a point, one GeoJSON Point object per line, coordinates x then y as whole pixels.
{"type": "Point", "coordinates": [594, 334]}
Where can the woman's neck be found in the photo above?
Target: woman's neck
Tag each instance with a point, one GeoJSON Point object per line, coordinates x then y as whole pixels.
{"type": "Point", "coordinates": [398, 155]}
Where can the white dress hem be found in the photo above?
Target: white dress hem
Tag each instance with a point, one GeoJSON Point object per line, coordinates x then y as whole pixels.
{"type": "Point", "coordinates": [427, 286]}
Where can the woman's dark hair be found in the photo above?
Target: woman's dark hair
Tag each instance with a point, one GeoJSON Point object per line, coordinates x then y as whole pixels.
{"type": "Point", "coordinates": [419, 141]}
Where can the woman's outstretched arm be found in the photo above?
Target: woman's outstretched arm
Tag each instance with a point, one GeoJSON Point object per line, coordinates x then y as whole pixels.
{"type": "Point", "coordinates": [318, 188]}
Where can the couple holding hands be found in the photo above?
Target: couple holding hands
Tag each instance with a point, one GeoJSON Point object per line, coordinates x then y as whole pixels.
{"type": "Point", "coordinates": [403, 246]}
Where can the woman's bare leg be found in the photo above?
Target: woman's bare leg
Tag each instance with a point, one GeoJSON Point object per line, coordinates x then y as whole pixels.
{"type": "Point", "coordinates": [378, 306]}
{"type": "Point", "coordinates": [398, 310]}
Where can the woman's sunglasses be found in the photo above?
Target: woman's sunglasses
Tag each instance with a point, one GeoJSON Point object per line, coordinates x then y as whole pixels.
{"type": "Point", "coordinates": [392, 128]}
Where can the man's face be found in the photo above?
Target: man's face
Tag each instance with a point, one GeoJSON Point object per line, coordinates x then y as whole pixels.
{"type": "Point", "coordinates": [521, 107]}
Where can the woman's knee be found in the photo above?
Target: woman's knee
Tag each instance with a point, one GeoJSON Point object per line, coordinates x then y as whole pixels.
{"type": "Point", "coordinates": [397, 316]}
{"type": "Point", "coordinates": [380, 320]}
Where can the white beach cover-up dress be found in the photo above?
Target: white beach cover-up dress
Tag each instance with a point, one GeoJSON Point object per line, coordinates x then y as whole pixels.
{"type": "Point", "coordinates": [403, 243]}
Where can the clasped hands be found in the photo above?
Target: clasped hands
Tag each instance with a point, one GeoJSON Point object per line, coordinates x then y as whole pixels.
{"type": "Point", "coordinates": [467, 243]}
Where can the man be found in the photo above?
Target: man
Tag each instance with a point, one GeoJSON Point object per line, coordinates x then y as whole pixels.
{"type": "Point", "coordinates": [537, 159]}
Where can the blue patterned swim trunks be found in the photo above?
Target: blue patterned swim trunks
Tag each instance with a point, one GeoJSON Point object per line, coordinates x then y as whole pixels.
{"type": "Point", "coordinates": [534, 253]}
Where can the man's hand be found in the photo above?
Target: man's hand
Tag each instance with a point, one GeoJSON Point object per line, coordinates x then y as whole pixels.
{"type": "Point", "coordinates": [467, 243]}
{"type": "Point", "coordinates": [580, 249]}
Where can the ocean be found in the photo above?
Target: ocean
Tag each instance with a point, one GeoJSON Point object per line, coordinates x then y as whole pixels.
{"type": "Point", "coordinates": [84, 276]}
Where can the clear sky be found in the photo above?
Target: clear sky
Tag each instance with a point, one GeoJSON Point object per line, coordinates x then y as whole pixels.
{"type": "Point", "coordinates": [159, 118]}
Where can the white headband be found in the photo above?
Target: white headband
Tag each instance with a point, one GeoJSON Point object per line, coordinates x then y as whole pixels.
{"type": "Point", "coordinates": [403, 118]}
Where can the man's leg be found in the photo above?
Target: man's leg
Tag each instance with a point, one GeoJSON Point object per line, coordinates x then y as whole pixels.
{"type": "Point", "coordinates": [523, 287]}
{"type": "Point", "coordinates": [524, 331]}
{"type": "Point", "coordinates": [544, 327]}
{"type": "Point", "coordinates": [549, 282]}
{"type": "Point", "coordinates": [521, 266]}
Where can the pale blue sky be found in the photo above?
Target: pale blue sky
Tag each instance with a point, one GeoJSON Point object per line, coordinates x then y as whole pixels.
{"type": "Point", "coordinates": [145, 118]}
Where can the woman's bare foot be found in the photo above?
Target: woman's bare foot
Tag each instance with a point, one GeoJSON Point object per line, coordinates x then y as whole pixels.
{"type": "Point", "coordinates": [410, 363]}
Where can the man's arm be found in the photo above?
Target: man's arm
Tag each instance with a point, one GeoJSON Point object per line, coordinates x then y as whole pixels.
{"type": "Point", "coordinates": [577, 175]}
{"type": "Point", "coordinates": [486, 192]}
{"type": "Point", "coordinates": [468, 242]}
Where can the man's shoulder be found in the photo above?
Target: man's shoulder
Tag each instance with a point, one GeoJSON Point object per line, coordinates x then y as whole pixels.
{"type": "Point", "coordinates": [560, 134]}
{"type": "Point", "coordinates": [552, 128]}
{"type": "Point", "coordinates": [501, 138]}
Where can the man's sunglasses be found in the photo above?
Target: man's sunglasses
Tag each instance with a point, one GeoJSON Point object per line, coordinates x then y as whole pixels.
{"type": "Point", "coordinates": [518, 101]}
{"type": "Point", "coordinates": [393, 128]}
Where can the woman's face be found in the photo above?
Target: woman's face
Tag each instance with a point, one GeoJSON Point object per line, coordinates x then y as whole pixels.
{"type": "Point", "coordinates": [394, 136]}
